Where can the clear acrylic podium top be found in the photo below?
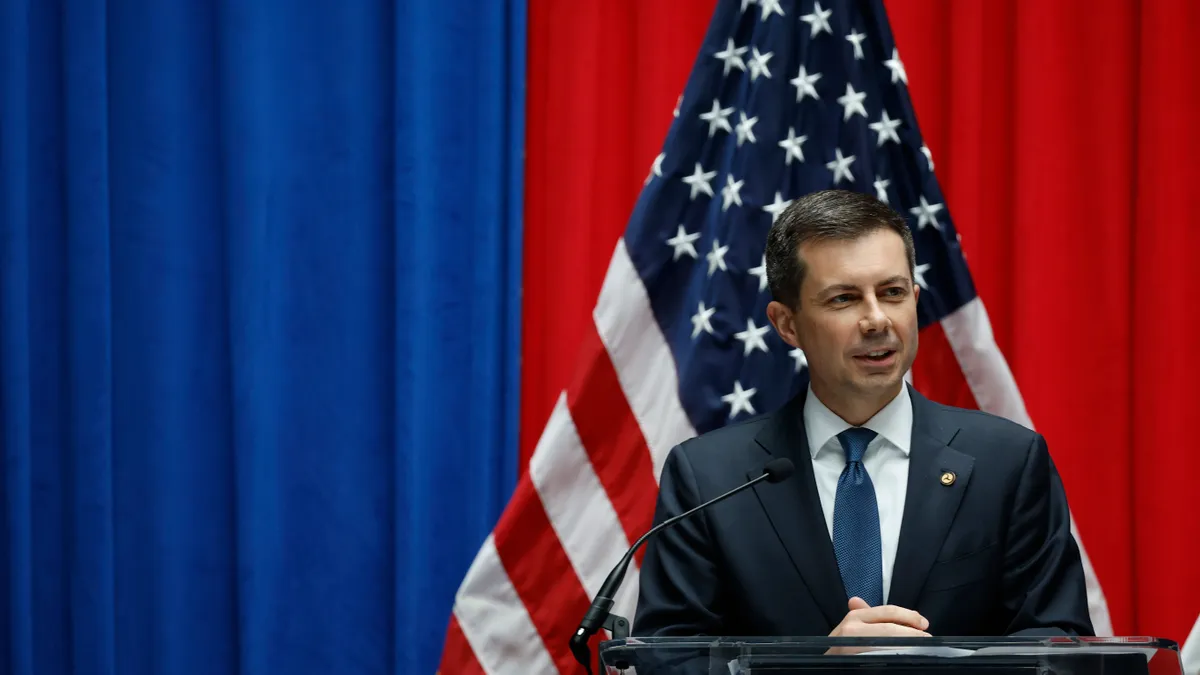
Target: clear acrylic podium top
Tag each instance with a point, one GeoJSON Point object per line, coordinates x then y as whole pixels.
{"type": "Point", "coordinates": [890, 656]}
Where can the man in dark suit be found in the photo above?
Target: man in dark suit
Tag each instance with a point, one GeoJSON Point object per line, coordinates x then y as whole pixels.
{"type": "Point", "coordinates": [904, 517]}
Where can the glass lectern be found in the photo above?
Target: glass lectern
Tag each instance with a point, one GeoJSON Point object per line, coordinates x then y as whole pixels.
{"type": "Point", "coordinates": [890, 656]}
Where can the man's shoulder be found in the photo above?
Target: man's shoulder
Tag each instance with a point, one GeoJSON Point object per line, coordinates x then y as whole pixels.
{"type": "Point", "coordinates": [977, 430]}
{"type": "Point", "coordinates": [985, 421]}
{"type": "Point", "coordinates": [732, 444]}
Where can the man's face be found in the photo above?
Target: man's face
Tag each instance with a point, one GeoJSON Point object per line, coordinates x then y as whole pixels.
{"type": "Point", "coordinates": [856, 320]}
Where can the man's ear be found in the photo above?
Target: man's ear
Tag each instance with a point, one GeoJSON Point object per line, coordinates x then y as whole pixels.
{"type": "Point", "coordinates": [781, 318]}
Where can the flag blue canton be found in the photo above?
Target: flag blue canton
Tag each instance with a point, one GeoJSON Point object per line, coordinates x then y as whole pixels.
{"type": "Point", "coordinates": [785, 98]}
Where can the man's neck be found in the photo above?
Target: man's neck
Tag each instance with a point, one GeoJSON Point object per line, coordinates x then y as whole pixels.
{"type": "Point", "coordinates": [855, 410]}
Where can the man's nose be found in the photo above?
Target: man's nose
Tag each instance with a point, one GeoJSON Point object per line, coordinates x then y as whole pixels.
{"type": "Point", "coordinates": [874, 318]}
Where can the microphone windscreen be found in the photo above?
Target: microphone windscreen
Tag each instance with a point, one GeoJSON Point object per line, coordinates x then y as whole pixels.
{"type": "Point", "coordinates": [779, 470]}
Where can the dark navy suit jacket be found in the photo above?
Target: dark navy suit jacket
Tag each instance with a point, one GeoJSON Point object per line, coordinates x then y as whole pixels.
{"type": "Point", "coordinates": [989, 554]}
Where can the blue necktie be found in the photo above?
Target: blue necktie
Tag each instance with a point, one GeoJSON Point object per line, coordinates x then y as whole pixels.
{"type": "Point", "coordinates": [856, 523]}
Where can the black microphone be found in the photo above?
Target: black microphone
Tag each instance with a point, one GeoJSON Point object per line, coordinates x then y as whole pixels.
{"type": "Point", "coordinates": [597, 617]}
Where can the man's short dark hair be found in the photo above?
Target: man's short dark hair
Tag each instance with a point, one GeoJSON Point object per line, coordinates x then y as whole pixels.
{"type": "Point", "coordinates": [823, 216]}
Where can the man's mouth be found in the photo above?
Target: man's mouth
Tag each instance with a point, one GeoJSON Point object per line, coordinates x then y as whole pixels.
{"type": "Point", "coordinates": [879, 356]}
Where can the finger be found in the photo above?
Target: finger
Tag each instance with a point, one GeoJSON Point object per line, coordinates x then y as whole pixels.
{"type": "Point", "coordinates": [858, 629]}
{"type": "Point", "coordinates": [858, 603]}
{"type": "Point", "coordinates": [892, 614]}
{"type": "Point", "coordinates": [896, 630]}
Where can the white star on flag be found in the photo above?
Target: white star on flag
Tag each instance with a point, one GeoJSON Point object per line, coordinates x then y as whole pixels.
{"type": "Point", "coordinates": [800, 359]}
{"type": "Point", "coordinates": [683, 243]}
{"type": "Point", "coordinates": [716, 258]}
{"type": "Point", "coordinates": [739, 400]}
{"type": "Point", "coordinates": [881, 186]}
{"type": "Point", "coordinates": [761, 273]}
{"type": "Point", "coordinates": [717, 118]}
{"type": "Point", "coordinates": [752, 337]}
{"type": "Point", "coordinates": [841, 167]}
{"type": "Point", "coordinates": [926, 214]}
{"type": "Point", "coordinates": [656, 168]}
{"type": "Point", "coordinates": [897, 67]}
{"type": "Point", "coordinates": [919, 273]}
{"type": "Point", "coordinates": [769, 7]}
{"type": "Point", "coordinates": [852, 101]}
{"type": "Point", "coordinates": [732, 56]}
{"type": "Point", "coordinates": [758, 65]}
{"type": "Point", "coordinates": [702, 320]}
{"type": "Point", "coordinates": [776, 207]}
{"type": "Point", "coordinates": [700, 181]}
{"type": "Point", "coordinates": [745, 129]}
{"type": "Point", "coordinates": [804, 84]}
{"type": "Point", "coordinates": [819, 20]}
{"type": "Point", "coordinates": [792, 145]}
{"type": "Point", "coordinates": [856, 39]}
{"type": "Point", "coordinates": [731, 193]}
{"type": "Point", "coordinates": [886, 128]}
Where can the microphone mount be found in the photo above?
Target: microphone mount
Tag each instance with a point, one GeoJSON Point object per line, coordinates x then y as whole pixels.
{"type": "Point", "coordinates": [599, 614]}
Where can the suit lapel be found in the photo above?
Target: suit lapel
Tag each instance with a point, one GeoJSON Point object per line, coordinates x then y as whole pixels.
{"type": "Point", "coordinates": [929, 504]}
{"type": "Point", "coordinates": [794, 509]}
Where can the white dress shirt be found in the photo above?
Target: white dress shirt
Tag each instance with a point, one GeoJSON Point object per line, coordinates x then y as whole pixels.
{"type": "Point", "coordinates": [886, 461]}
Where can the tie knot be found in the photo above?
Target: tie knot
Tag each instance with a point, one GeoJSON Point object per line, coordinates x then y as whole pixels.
{"type": "Point", "coordinates": [854, 441]}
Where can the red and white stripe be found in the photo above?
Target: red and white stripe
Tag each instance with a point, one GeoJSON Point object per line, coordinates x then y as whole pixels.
{"type": "Point", "coordinates": [592, 483]}
{"type": "Point", "coordinates": [1191, 651]}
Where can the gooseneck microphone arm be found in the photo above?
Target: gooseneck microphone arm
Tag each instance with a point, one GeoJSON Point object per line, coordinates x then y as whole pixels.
{"type": "Point", "coordinates": [598, 614]}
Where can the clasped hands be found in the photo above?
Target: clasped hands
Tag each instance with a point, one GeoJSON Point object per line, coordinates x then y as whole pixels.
{"type": "Point", "coordinates": [863, 620]}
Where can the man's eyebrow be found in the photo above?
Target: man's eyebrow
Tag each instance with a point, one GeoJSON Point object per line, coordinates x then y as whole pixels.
{"type": "Point", "coordinates": [836, 287]}
{"type": "Point", "coordinates": [897, 279]}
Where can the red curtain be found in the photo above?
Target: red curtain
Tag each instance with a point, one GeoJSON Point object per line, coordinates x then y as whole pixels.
{"type": "Point", "coordinates": [1062, 136]}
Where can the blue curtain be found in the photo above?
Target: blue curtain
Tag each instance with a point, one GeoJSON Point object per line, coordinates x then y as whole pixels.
{"type": "Point", "coordinates": [259, 312]}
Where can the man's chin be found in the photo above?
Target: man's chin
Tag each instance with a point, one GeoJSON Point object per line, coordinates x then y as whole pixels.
{"type": "Point", "coordinates": [879, 383]}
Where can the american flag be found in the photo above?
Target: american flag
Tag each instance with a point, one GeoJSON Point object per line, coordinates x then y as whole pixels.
{"type": "Point", "coordinates": [785, 98]}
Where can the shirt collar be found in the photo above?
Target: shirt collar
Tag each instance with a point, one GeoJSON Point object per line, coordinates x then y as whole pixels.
{"type": "Point", "coordinates": [893, 422]}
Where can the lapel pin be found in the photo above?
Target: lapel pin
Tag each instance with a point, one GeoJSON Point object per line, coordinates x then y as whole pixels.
{"type": "Point", "coordinates": [948, 478]}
